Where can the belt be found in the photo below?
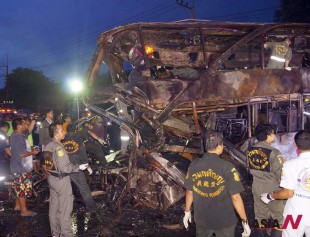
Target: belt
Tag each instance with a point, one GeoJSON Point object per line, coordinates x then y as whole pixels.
{"type": "Point", "coordinates": [59, 175]}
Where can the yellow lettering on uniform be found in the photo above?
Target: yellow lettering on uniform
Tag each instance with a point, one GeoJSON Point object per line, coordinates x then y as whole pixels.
{"type": "Point", "coordinates": [209, 173]}
{"type": "Point", "coordinates": [217, 192]}
{"type": "Point", "coordinates": [200, 192]}
{"type": "Point", "coordinates": [206, 184]}
{"type": "Point", "coordinates": [199, 183]}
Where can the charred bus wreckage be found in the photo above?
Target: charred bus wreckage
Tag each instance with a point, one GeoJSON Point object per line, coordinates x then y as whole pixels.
{"type": "Point", "coordinates": [173, 81]}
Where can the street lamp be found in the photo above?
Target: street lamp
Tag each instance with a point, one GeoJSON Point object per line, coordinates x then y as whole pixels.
{"type": "Point", "coordinates": [76, 87]}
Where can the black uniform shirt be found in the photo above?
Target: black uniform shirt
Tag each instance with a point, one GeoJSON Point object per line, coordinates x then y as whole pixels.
{"type": "Point", "coordinates": [75, 149]}
{"type": "Point", "coordinates": [213, 181]}
{"type": "Point", "coordinates": [83, 133]}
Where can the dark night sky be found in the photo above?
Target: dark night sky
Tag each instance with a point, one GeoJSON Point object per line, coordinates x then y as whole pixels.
{"type": "Point", "coordinates": [58, 37]}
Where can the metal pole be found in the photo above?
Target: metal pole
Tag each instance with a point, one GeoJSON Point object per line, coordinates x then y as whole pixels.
{"type": "Point", "coordinates": [77, 106]}
{"type": "Point", "coordinates": [185, 4]}
{"type": "Point", "coordinates": [193, 10]}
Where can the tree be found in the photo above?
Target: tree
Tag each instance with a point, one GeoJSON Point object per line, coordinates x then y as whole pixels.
{"type": "Point", "coordinates": [293, 11]}
{"type": "Point", "coordinates": [28, 88]}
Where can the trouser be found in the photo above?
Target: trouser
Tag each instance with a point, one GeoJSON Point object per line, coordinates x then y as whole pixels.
{"type": "Point", "coordinates": [225, 232]}
{"type": "Point", "coordinates": [273, 209]}
{"type": "Point", "coordinates": [299, 232]}
{"type": "Point", "coordinates": [78, 178]}
{"type": "Point", "coordinates": [97, 151]}
{"type": "Point", "coordinates": [275, 64]}
{"type": "Point", "coordinates": [60, 206]}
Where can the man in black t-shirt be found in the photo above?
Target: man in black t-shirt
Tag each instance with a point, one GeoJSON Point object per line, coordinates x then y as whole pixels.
{"type": "Point", "coordinates": [213, 185]}
{"type": "Point", "coordinates": [87, 134]}
{"type": "Point", "coordinates": [77, 155]}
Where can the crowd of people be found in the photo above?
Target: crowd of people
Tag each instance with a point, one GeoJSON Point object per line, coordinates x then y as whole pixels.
{"type": "Point", "coordinates": [58, 148]}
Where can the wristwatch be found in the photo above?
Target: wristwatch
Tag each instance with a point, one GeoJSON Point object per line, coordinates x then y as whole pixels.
{"type": "Point", "coordinates": [270, 197]}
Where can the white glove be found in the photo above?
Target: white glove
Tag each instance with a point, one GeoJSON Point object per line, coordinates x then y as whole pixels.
{"type": "Point", "coordinates": [246, 229]}
{"type": "Point", "coordinates": [266, 198]}
{"type": "Point", "coordinates": [83, 166]}
{"type": "Point", "coordinates": [187, 218]}
{"type": "Point", "coordinates": [90, 171]}
{"type": "Point", "coordinates": [288, 68]}
{"type": "Point", "coordinates": [101, 141]}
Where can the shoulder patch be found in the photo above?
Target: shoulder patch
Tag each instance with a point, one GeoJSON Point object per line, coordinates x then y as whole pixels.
{"type": "Point", "coordinates": [60, 153]}
{"type": "Point", "coordinates": [280, 157]}
{"type": "Point", "coordinates": [186, 177]}
{"type": "Point", "coordinates": [236, 174]}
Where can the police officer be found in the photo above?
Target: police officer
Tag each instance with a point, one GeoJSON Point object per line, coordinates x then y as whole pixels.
{"type": "Point", "coordinates": [77, 154]}
{"type": "Point", "coordinates": [214, 185]}
{"type": "Point", "coordinates": [59, 168]}
{"type": "Point", "coordinates": [265, 163]}
{"type": "Point", "coordinates": [281, 54]}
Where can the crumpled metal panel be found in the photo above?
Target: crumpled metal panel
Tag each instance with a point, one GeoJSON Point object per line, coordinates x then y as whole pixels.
{"type": "Point", "coordinates": [172, 178]}
{"type": "Point", "coordinates": [222, 85]}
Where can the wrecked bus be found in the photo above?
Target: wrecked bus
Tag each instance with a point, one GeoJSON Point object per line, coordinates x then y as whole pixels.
{"type": "Point", "coordinates": [173, 81]}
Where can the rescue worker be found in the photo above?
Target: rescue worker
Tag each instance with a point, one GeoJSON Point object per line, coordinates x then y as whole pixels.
{"type": "Point", "coordinates": [281, 54]}
{"type": "Point", "coordinates": [295, 187]}
{"type": "Point", "coordinates": [77, 154]}
{"type": "Point", "coordinates": [59, 168]}
{"type": "Point", "coordinates": [213, 185]}
{"type": "Point", "coordinates": [87, 134]}
{"type": "Point", "coordinates": [265, 163]}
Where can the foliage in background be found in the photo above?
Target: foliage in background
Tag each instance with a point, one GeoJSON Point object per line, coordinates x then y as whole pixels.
{"type": "Point", "coordinates": [31, 89]}
{"type": "Point", "coordinates": [293, 11]}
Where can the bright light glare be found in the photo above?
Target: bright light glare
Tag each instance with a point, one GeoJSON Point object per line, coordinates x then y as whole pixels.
{"type": "Point", "coordinates": [76, 86]}
{"type": "Point", "coordinates": [125, 138]}
{"type": "Point", "coordinates": [2, 178]}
